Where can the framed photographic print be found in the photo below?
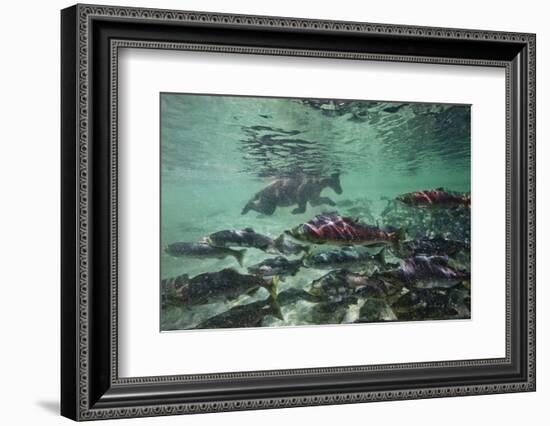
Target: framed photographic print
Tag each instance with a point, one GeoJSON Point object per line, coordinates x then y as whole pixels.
{"type": "Point", "coordinates": [263, 212]}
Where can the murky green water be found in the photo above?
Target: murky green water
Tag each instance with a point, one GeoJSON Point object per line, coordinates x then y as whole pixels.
{"type": "Point", "coordinates": [218, 151]}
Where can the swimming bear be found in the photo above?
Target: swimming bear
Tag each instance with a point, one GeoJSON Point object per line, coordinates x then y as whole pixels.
{"type": "Point", "coordinates": [299, 190]}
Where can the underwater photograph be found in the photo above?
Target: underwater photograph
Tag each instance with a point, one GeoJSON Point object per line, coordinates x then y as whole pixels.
{"type": "Point", "coordinates": [307, 212]}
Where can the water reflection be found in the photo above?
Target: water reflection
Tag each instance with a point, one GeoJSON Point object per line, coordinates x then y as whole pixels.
{"type": "Point", "coordinates": [352, 135]}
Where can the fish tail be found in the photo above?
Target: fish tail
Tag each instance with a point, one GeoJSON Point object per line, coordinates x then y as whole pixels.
{"type": "Point", "coordinates": [397, 238]}
{"type": "Point", "coordinates": [273, 292]}
{"type": "Point", "coordinates": [381, 256]}
{"type": "Point", "coordinates": [239, 255]}
{"type": "Point", "coordinates": [279, 241]}
{"type": "Point", "coordinates": [306, 256]}
{"type": "Point", "coordinates": [273, 288]}
{"type": "Point", "coordinates": [277, 312]}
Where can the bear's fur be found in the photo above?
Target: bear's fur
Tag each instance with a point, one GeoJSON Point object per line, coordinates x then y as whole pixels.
{"type": "Point", "coordinates": [299, 190]}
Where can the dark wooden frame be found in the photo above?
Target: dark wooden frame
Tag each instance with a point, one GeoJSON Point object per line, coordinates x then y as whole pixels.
{"type": "Point", "coordinates": [91, 37]}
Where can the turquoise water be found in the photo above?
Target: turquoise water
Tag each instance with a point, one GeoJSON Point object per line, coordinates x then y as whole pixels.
{"type": "Point", "coordinates": [218, 151]}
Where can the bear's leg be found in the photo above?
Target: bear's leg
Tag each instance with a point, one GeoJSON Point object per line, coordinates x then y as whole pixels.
{"type": "Point", "coordinates": [322, 200]}
{"type": "Point", "coordinates": [301, 208]}
{"type": "Point", "coordinates": [267, 208]}
{"type": "Point", "coordinates": [271, 210]}
{"type": "Point", "coordinates": [247, 208]}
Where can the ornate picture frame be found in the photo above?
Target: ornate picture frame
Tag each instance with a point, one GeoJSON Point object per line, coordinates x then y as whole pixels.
{"type": "Point", "coordinates": [91, 38]}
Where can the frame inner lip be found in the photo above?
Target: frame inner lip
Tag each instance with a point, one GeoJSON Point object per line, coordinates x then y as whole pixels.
{"type": "Point", "coordinates": [115, 45]}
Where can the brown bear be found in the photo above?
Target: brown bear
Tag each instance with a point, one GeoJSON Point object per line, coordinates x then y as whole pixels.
{"type": "Point", "coordinates": [299, 190]}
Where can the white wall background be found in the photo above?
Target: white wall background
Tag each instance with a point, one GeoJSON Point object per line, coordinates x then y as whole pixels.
{"type": "Point", "coordinates": [29, 211]}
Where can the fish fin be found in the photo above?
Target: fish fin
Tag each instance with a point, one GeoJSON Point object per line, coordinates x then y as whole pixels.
{"type": "Point", "coordinates": [279, 241]}
{"type": "Point", "coordinates": [391, 229]}
{"type": "Point", "coordinates": [307, 255]}
{"type": "Point", "coordinates": [239, 255]}
{"type": "Point", "coordinates": [381, 256]}
{"type": "Point", "coordinates": [207, 240]}
{"type": "Point", "coordinates": [252, 291]}
{"type": "Point", "coordinates": [181, 279]}
{"type": "Point", "coordinates": [308, 250]}
{"type": "Point", "coordinates": [232, 298]}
